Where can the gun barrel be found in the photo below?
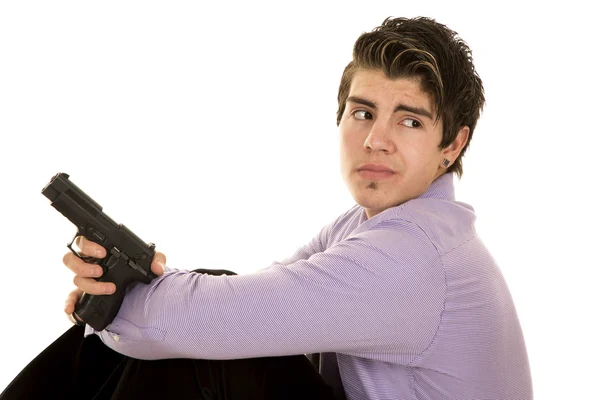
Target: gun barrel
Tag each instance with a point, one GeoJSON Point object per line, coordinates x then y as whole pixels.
{"type": "Point", "coordinates": [79, 208]}
{"type": "Point", "coordinates": [60, 184]}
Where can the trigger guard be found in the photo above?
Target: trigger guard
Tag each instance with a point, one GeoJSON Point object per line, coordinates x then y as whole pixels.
{"type": "Point", "coordinates": [84, 258]}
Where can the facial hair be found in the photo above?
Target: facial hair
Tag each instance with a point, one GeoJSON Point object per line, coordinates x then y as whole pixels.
{"type": "Point", "coordinates": [373, 185]}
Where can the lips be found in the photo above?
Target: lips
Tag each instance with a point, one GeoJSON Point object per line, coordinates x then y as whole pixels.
{"type": "Point", "coordinates": [375, 172]}
{"type": "Point", "coordinates": [376, 168]}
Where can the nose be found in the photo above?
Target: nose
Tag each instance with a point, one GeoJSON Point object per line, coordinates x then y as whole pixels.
{"type": "Point", "coordinates": [379, 138]}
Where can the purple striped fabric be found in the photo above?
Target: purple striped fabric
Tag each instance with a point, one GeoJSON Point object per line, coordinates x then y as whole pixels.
{"type": "Point", "coordinates": [406, 305]}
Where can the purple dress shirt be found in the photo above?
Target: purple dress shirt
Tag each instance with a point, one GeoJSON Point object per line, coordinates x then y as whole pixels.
{"type": "Point", "coordinates": [406, 305]}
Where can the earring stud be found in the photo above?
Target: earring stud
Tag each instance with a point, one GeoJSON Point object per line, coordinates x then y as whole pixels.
{"type": "Point", "coordinates": [446, 162]}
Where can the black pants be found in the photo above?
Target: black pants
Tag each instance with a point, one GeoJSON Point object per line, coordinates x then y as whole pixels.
{"type": "Point", "coordinates": [74, 367]}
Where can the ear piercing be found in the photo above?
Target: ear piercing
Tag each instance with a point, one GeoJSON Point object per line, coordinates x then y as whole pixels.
{"type": "Point", "coordinates": [446, 162]}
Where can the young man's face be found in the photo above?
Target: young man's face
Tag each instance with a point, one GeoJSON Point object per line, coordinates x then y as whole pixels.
{"type": "Point", "coordinates": [389, 123]}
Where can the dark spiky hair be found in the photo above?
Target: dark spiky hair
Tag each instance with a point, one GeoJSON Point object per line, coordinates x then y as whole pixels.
{"type": "Point", "coordinates": [429, 51]}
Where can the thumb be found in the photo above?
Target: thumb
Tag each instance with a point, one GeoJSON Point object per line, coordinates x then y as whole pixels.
{"type": "Point", "coordinates": [159, 263]}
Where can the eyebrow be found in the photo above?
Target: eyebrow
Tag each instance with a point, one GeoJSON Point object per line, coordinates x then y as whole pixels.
{"type": "Point", "coordinates": [399, 107]}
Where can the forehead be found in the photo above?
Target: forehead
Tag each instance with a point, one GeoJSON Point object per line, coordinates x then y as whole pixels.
{"type": "Point", "coordinates": [374, 85]}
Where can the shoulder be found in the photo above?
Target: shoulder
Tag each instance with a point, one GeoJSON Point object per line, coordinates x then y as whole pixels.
{"type": "Point", "coordinates": [396, 236]}
{"type": "Point", "coordinates": [341, 227]}
{"type": "Point", "coordinates": [446, 223]}
{"type": "Point", "coordinates": [441, 224]}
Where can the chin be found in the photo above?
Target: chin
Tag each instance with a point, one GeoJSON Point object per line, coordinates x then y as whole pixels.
{"type": "Point", "coordinates": [372, 202]}
{"type": "Point", "coordinates": [377, 201]}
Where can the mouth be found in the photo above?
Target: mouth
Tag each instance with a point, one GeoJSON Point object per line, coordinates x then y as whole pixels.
{"type": "Point", "coordinates": [377, 175]}
{"type": "Point", "coordinates": [375, 171]}
{"type": "Point", "coordinates": [376, 167]}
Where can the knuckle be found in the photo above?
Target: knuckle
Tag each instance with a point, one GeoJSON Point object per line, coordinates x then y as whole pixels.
{"type": "Point", "coordinates": [160, 256]}
{"type": "Point", "coordinates": [87, 285]}
{"type": "Point", "coordinates": [77, 266]}
{"type": "Point", "coordinates": [87, 247]}
{"type": "Point", "coordinates": [83, 245]}
{"type": "Point", "coordinates": [81, 282]}
{"type": "Point", "coordinates": [74, 296]}
{"type": "Point", "coordinates": [71, 262]}
{"type": "Point", "coordinates": [84, 270]}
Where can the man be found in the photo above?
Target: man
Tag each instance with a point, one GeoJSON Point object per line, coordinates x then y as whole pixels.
{"type": "Point", "coordinates": [398, 295]}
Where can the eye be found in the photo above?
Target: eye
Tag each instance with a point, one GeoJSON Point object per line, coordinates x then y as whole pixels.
{"type": "Point", "coordinates": [362, 114]}
{"type": "Point", "coordinates": [411, 123]}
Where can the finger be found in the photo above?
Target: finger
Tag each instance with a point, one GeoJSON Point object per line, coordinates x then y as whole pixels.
{"type": "Point", "coordinates": [158, 263]}
{"type": "Point", "coordinates": [92, 286]}
{"type": "Point", "coordinates": [89, 248]}
{"type": "Point", "coordinates": [72, 300]}
{"type": "Point", "coordinates": [80, 267]}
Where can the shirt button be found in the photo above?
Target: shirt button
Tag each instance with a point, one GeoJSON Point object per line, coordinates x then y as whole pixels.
{"type": "Point", "coordinates": [116, 338]}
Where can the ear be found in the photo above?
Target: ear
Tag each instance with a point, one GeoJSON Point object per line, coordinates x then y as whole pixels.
{"type": "Point", "coordinates": [453, 150]}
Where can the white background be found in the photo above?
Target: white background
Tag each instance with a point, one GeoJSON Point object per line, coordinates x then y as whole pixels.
{"type": "Point", "coordinates": [210, 130]}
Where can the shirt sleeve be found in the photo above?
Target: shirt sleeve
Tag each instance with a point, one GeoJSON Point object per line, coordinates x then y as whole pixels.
{"type": "Point", "coordinates": [304, 252]}
{"type": "Point", "coordinates": [378, 291]}
{"type": "Point", "coordinates": [318, 244]}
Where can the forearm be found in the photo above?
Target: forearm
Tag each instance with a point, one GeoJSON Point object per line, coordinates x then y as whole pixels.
{"type": "Point", "coordinates": [191, 315]}
{"type": "Point", "coordinates": [309, 306]}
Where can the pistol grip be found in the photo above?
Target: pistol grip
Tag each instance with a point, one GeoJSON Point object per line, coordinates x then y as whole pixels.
{"type": "Point", "coordinates": [99, 310]}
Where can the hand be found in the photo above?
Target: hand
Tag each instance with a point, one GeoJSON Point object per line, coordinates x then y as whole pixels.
{"type": "Point", "coordinates": [85, 272]}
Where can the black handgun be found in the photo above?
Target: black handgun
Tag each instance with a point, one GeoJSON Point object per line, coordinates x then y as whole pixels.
{"type": "Point", "coordinates": [127, 259]}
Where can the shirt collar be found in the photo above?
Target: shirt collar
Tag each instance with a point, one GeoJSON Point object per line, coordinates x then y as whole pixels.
{"type": "Point", "coordinates": [441, 188]}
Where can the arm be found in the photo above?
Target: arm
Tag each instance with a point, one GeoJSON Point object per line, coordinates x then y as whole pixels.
{"type": "Point", "coordinates": [380, 290]}
{"type": "Point", "coordinates": [318, 244]}
{"type": "Point", "coordinates": [304, 252]}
